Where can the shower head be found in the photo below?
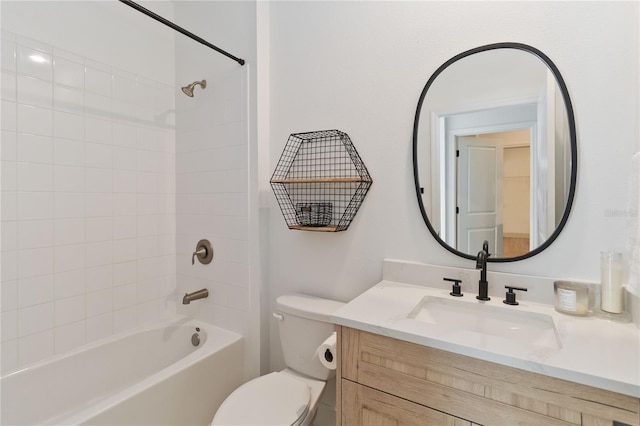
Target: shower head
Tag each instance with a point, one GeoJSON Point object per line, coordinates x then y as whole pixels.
{"type": "Point", "coordinates": [188, 90]}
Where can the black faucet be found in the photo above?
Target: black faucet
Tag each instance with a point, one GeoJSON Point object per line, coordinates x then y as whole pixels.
{"type": "Point", "coordinates": [481, 263]}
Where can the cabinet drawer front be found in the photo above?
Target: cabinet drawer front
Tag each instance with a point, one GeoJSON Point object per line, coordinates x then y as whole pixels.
{"type": "Point", "coordinates": [369, 407]}
{"type": "Point", "coordinates": [480, 391]}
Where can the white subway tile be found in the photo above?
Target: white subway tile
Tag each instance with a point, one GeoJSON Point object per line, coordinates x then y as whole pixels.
{"type": "Point", "coordinates": [33, 91]}
{"type": "Point", "coordinates": [125, 319]}
{"type": "Point", "coordinates": [124, 250]}
{"type": "Point", "coordinates": [147, 268]}
{"type": "Point", "coordinates": [97, 106]}
{"type": "Point", "coordinates": [35, 177]}
{"type": "Point", "coordinates": [69, 178]}
{"type": "Point", "coordinates": [124, 273]}
{"type": "Point", "coordinates": [69, 310]}
{"type": "Point", "coordinates": [35, 290]}
{"type": "Point", "coordinates": [99, 302]}
{"type": "Point", "coordinates": [167, 244]}
{"type": "Point", "coordinates": [8, 51]}
{"type": "Point", "coordinates": [147, 225]}
{"type": "Point", "coordinates": [69, 205]}
{"type": "Point", "coordinates": [69, 231]}
{"type": "Point", "coordinates": [123, 88]}
{"type": "Point", "coordinates": [98, 204]}
{"type": "Point", "coordinates": [68, 152]}
{"type": "Point", "coordinates": [99, 278]}
{"type": "Point", "coordinates": [99, 253]}
{"type": "Point", "coordinates": [8, 146]}
{"type": "Point", "coordinates": [69, 337]}
{"type": "Point", "coordinates": [33, 119]}
{"type": "Point", "coordinates": [124, 158]}
{"type": "Point", "coordinates": [70, 258]}
{"type": "Point", "coordinates": [68, 99]}
{"type": "Point", "coordinates": [9, 173]}
{"type": "Point", "coordinates": [9, 295]}
{"type": "Point", "coordinates": [9, 262]}
{"type": "Point", "coordinates": [34, 262]}
{"type": "Point", "coordinates": [35, 233]}
{"type": "Point", "coordinates": [9, 235]}
{"type": "Point", "coordinates": [147, 204]}
{"type": "Point", "coordinates": [98, 130]}
{"type": "Point", "coordinates": [97, 81]}
{"type": "Point", "coordinates": [9, 324]}
{"type": "Point", "coordinates": [98, 229]}
{"type": "Point", "coordinates": [9, 356]}
{"type": "Point", "coordinates": [8, 86]}
{"type": "Point", "coordinates": [147, 290]}
{"type": "Point", "coordinates": [69, 283]}
{"type": "Point", "coordinates": [98, 155]}
{"type": "Point", "coordinates": [124, 227]}
{"type": "Point", "coordinates": [68, 72]}
{"type": "Point", "coordinates": [34, 319]}
{"type": "Point", "coordinates": [125, 135]}
{"type": "Point", "coordinates": [35, 347]}
{"type": "Point", "coordinates": [167, 204]}
{"type": "Point", "coordinates": [34, 205]}
{"type": "Point", "coordinates": [147, 246]}
{"type": "Point", "coordinates": [99, 327]}
{"type": "Point", "coordinates": [148, 182]}
{"type": "Point", "coordinates": [124, 181]}
{"type": "Point", "coordinates": [123, 112]}
{"type": "Point", "coordinates": [148, 311]}
{"type": "Point", "coordinates": [98, 180]}
{"type": "Point", "coordinates": [34, 63]}
{"type": "Point", "coordinates": [9, 119]}
{"type": "Point", "coordinates": [123, 203]}
{"type": "Point", "coordinates": [67, 125]}
{"type": "Point", "coordinates": [34, 148]}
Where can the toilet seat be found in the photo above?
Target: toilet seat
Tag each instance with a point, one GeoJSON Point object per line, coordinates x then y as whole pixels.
{"type": "Point", "coordinates": [272, 399]}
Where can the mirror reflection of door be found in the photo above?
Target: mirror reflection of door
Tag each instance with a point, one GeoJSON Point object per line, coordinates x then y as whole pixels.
{"type": "Point", "coordinates": [479, 193]}
{"type": "Point", "coordinates": [493, 192]}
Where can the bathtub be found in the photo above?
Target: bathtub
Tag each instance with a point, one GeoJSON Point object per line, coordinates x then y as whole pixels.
{"type": "Point", "coordinates": [153, 375]}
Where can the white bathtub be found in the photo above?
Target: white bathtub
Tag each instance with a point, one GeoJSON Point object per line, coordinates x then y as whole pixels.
{"type": "Point", "coordinates": [153, 375]}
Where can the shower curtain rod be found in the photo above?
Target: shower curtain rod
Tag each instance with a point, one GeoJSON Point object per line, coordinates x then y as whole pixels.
{"type": "Point", "coordinates": [178, 28]}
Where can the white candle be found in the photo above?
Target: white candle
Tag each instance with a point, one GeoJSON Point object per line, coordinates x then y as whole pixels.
{"type": "Point", "coordinates": [611, 296]}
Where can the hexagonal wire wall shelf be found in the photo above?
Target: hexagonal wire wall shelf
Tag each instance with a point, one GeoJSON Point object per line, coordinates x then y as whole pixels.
{"type": "Point", "coordinates": [320, 181]}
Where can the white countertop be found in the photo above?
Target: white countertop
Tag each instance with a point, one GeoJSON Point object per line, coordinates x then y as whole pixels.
{"type": "Point", "coordinates": [593, 352]}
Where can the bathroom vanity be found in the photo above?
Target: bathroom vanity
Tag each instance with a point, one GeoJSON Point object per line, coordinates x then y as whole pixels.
{"type": "Point", "coordinates": [411, 354]}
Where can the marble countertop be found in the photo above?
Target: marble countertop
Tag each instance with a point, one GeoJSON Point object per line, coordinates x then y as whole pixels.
{"type": "Point", "coordinates": [591, 351]}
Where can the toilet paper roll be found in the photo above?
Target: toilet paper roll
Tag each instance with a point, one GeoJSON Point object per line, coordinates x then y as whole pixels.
{"type": "Point", "coordinates": [327, 352]}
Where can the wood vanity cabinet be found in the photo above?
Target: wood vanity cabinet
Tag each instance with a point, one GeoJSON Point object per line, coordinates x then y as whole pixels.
{"type": "Point", "coordinates": [385, 381]}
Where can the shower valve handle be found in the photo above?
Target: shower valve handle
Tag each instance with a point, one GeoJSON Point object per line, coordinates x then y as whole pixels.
{"type": "Point", "coordinates": [204, 253]}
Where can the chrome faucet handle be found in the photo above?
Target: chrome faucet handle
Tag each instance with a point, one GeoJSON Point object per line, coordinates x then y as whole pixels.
{"type": "Point", "coordinates": [204, 253]}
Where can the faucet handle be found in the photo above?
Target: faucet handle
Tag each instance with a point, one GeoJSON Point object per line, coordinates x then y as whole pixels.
{"type": "Point", "coordinates": [456, 290]}
{"type": "Point", "coordinates": [511, 296]}
{"type": "Point", "coordinates": [204, 252]}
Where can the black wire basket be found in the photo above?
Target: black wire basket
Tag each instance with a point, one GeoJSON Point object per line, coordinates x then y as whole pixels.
{"type": "Point", "coordinates": [320, 181]}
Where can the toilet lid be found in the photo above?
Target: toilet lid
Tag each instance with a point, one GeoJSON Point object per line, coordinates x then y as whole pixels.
{"type": "Point", "coordinates": [273, 399]}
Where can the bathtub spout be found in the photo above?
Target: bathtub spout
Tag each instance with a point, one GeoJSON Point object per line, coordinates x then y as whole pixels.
{"type": "Point", "coordinates": [200, 294]}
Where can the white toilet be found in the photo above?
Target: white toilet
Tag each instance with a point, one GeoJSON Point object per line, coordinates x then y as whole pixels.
{"type": "Point", "coordinates": [288, 397]}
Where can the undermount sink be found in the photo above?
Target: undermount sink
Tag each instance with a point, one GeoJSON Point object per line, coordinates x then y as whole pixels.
{"type": "Point", "coordinates": [480, 322]}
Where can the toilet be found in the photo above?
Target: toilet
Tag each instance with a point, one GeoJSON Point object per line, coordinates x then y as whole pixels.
{"type": "Point", "coordinates": [288, 397]}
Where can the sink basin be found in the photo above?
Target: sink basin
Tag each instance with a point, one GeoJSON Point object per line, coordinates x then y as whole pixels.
{"type": "Point", "coordinates": [480, 322]}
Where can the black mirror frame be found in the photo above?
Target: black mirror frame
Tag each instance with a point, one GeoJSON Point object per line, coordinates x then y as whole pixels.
{"type": "Point", "coordinates": [572, 138]}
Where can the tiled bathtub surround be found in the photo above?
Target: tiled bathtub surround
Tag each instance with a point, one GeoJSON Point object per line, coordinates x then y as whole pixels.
{"type": "Point", "coordinates": [88, 200]}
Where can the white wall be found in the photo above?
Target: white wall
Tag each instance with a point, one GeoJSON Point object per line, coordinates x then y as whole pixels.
{"type": "Point", "coordinates": [360, 67]}
{"type": "Point", "coordinates": [88, 209]}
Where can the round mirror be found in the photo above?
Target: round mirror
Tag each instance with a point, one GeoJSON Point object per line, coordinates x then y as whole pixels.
{"type": "Point", "coordinates": [494, 152]}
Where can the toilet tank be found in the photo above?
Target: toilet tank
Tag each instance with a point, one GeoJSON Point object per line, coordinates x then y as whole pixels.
{"type": "Point", "coordinates": [303, 327]}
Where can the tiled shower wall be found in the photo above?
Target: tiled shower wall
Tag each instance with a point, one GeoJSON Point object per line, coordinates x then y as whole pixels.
{"type": "Point", "coordinates": [88, 200]}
